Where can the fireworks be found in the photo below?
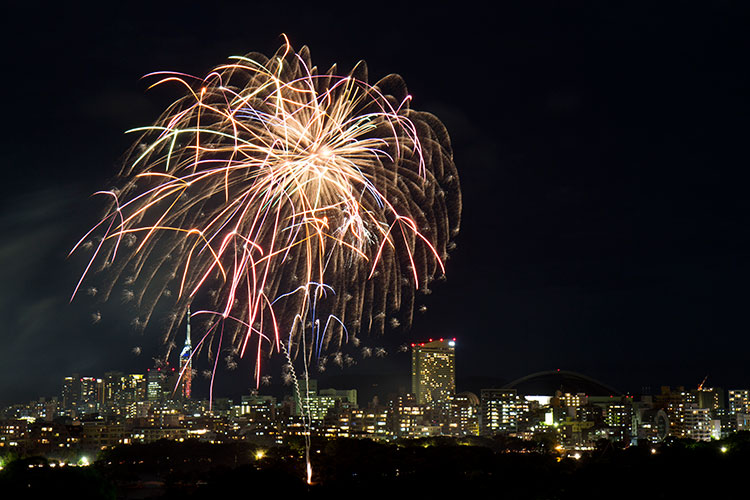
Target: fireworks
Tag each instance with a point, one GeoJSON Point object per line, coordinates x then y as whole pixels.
{"type": "Point", "coordinates": [296, 207]}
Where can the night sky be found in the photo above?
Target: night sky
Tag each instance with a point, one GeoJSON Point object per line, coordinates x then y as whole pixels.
{"type": "Point", "coordinates": [602, 153]}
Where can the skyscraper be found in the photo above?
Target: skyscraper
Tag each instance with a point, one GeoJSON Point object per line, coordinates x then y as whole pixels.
{"type": "Point", "coordinates": [156, 380]}
{"type": "Point", "coordinates": [186, 364]}
{"type": "Point", "coordinates": [433, 372]}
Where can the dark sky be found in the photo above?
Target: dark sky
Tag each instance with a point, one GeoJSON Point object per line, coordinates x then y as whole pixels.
{"type": "Point", "coordinates": [602, 152]}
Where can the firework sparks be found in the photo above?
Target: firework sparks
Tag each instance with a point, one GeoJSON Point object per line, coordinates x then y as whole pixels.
{"type": "Point", "coordinates": [300, 206]}
{"type": "Point", "coordinates": [338, 359]}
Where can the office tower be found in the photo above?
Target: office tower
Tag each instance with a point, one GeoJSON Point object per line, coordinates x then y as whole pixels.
{"type": "Point", "coordinates": [92, 390]}
{"type": "Point", "coordinates": [502, 411]}
{"type": "Point", "coordinates": [82, 394]}
{"type": "Point", "coordinates": [347, 395]}
{"type": "Point", "coordinates": [70, 392]}
{"type": "Point", "coordinates": [156, 380]}
{"type": "Point", "coordinates": [319, 403]}
{"type": "Point", "coordinates": [317, 407]}
{"type": "Point", "coordinates": [134, 388]}
{"type": "Point", "coordinates": [433, 372]}
{"type": "Point", "coordinates": [256, 408]}
{"type": "Point", "coordinates": [186, 365]}
{"type": "Point", "coordinates": [308, 390]}
{"type": "Point", "coordinates": [114, 384]}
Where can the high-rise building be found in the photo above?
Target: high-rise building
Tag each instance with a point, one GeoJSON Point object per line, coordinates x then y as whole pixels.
{"type": "Point", "coordinates": [156, 380]}
{"type": "Point", "coordinates": [308, 389]}
{"type": "Point", "coordinates": [186, 365]}
{"type": "Point", "coordinates": [134, 388]}
{"type": "Point", "coordinates": [708, 397]}
{"type": "Point", "coordinates": [92, 391]}
{"type": "Point", "coordinates": [464, 420]}
{"type": "Point", "coordinates": [114, 384]}
{"type": "Point", "coordinates": [675, 403]}
{"type": "Point", "coordinates": [699, 425]}
{"type": "Point", "coordinates": [81, 395]}
{"type": "Point", "coordinates": [433, 372]}
{"type": "Point", "coordinates": [70, 392]}
{"type": "Point", "coordinates": [502, 410]}
{"type": "Point", "coordinates": [739, 401]}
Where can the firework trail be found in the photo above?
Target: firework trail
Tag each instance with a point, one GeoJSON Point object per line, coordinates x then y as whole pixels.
{"type": "Point", "coordinates": [297, 207]}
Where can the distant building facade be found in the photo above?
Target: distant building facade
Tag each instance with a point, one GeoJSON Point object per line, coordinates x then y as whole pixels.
{"type": "Point", "coordinates": [433, 372]}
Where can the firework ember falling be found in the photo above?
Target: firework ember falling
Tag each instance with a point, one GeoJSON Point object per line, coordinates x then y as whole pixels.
{"type": "Point", "coordinates": [291, 206]}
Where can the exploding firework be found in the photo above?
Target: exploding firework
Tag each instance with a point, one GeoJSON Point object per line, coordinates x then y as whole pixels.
{"type": "Point", "coordinates": [297, 207]}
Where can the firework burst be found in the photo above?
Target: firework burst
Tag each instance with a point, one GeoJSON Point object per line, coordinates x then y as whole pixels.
{"type": "Point", "coordinates": [299, 207]}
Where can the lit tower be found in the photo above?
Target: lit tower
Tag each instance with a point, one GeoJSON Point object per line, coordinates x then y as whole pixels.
{"type": "Point", "coordinates": [186, 364]}
{"type": "Point", "coordinates": [433, 372]}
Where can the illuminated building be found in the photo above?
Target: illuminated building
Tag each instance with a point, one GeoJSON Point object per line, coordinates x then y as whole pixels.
{"type": "Point", "coordinates": [405, 415]}
{"type": "Point", "coordinates": [186, 364]}
{"type": "Point", "coordinates": [739, 401]}
{"type": "Point", "coordinates": [502, 411]}
{"type": "Point", "coordinates": [743, 421]}
{"type": "Point", "coordinates": [13, 434]}
{"type": "Point", "coordinates": [256, 408]}
{"type": "Point", "coordinates": [317, 404]}
{"type": "Point", "coordinates": [134, 388]}
{"type": "Point", "coordinates": [317, 407]}
{"type": "Point", "coordinates": [699, 425]}
{"type": "Point", "coordinates": [70, 391]}
{"type": "Point", "coordinates": [156, 380]}
{"type": "Point", "coordinates": [114, 384]}
{"type": "Point", "coordinates": [366, 423]}
{"type": "Point", "coordinates": [308, 388]}
{"type": "Point", "coordinates": [433, 372]}
{"type": "Point", "coordinates": [708, 397]}
{"type": "Point", "coordinates": [464, 419]}
{"type": "Point", "coordinates": [651, 424]}
{"type": "Point", "coordinates": [256, 416]}
{"type": "Point", "coordinates": [82, 395]}
{"type": "Point", "coordinates": [348, 395]}
{"type": "Point", "coordinates": [43, 409]}
{"type": "Point", "coordinates": [568, 400]}
{"type": "Point", "coordinates": [92, 392]}
{"type": "Point", "coordinates": [618, 416]}
{"type": "Point", "coordinates": [675, 403]}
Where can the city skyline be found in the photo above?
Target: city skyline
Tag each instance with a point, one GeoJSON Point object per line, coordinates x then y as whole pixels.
{"type": "Point", "coordinates": [429, 377]}
{"type": "Point", "coordinates": [575, 411]}
{"type": "Point", "coordinates": [600, 153]}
